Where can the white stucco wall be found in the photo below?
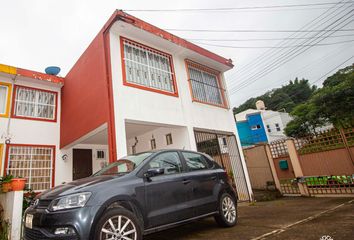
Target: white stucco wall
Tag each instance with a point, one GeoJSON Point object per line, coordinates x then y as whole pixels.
{"type": "Point", "coordinates": [141, 105]}
{"type": "Point", "coordinates": [271, 118]}
{"type": "Point", "coordinates": [180, 139]}
{"type": "Point", "coordinates": [33, 132]}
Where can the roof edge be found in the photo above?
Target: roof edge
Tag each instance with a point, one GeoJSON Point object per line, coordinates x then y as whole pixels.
{"type": "Point", "coordinates": [31, 74]}
{"type": "Point", "coordinates": [121, 15]}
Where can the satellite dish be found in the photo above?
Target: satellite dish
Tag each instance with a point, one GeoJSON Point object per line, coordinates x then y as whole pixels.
{"type": "Point", "coordinates": [52, 70]}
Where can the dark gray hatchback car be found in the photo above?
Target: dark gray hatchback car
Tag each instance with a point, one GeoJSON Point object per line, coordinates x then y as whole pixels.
{"type": "Point", "coordinates": [134, 196]}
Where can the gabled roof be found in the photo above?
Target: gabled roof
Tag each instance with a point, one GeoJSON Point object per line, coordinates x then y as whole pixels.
{"type": "Point", "coordinates": [120, 15]}
{"type": "Point", "coordinates": [31, 74]}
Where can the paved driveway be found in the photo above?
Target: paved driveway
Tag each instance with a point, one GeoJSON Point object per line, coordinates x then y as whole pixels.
{"type": "Point", "coordinates": [287, 218]}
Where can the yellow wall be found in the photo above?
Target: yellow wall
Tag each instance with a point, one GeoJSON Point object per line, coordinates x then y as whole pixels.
{"type": "Point", "coordinates": [1, 154]}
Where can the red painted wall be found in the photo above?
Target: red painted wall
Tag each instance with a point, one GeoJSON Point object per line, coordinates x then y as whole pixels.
{"type": "Point", "coordinates": [85, 94]}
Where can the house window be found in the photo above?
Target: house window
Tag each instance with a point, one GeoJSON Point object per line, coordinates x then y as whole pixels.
{"type": "Point", "coordinates": [255, 127]}
{"type": "Point", "coordinates": [101, 154]}
{"type": "Point", "coordinates": [35, 103]}
{"type": "Point", "coordinates": [205, 84]}
{"type": "Point", "coordinates": [169, 139]}
{"type": "Point", "coordinates": [147, 68]}
{"type": "Point", "coordinates": [268, 129]}
{"type": "Point", "coordinates": [5, 94]}
{"type": "Point", "coordinates": [153, 144]}
{"type": "Point", "coordinates": [32, 162]}
{"type": "Point", "coordinates": [277, 127]}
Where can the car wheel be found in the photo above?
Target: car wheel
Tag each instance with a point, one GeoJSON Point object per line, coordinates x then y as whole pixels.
{"type": "Point", "coordinates": [118, 224]}
{"type": "Point", "coordinates": [227, 216]}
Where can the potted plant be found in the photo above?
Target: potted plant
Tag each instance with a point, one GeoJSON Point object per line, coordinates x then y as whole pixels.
{"type": "Point", "coordinates": [18, 183]}
{"type": "Point", "coordinates": [6, 183]}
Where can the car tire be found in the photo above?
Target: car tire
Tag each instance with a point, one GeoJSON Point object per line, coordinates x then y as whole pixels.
{"type": "Point", "coordinates": [115, 218]}
{"type": "Point", "coordinates": [227, 216]}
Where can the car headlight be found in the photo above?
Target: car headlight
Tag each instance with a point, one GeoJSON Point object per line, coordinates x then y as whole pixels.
{"type": "Point", "coordinates": [71, 201]}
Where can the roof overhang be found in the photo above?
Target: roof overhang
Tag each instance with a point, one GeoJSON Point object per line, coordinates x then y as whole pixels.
{"type": "Point", "coordinates": [162, 34]}
{"type": "Point", "coordinates": [20, 72]}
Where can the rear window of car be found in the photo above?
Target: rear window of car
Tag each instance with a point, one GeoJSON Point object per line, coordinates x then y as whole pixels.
{"type": "Point", "coordinates": [195, 161]}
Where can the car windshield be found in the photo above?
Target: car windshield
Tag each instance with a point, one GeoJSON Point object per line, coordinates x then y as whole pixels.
{"type": "Point", "coordinates": [124, 165]}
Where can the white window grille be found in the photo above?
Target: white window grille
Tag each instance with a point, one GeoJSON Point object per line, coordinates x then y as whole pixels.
{"type": "Point", "coordinates": [3, 98]}
{"type": "Point", "coordinates": [35, 103]}
{"type": "Point", "coordinates": [148, 67]}
{"type": "Point", "coordinates": [205, 85]}
{"type": "Point", "coordinates": [33, 163]}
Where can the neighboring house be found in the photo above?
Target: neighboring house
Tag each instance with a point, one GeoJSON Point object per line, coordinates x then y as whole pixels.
{"type": "Point", "coordinates": [261, 126]}
{"type": "Point", "coordinates": [137, 88]}
{"type": "Point", "coordinates": [29, 125]}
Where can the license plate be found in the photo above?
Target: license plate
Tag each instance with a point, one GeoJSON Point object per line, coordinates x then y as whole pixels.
{"type": "Point", "coordinates": [29, 220]}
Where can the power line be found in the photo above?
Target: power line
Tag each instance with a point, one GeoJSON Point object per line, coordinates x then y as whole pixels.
{"type": "Point", "coordinates": [293, 46]}
{"type": "Point", "coordinates": [236, 8]}
{"type": "Point", "coordinates": [286, 57]}
{"type": "Point", "coordinates": [259, 39]}
{"type": "Point", "coordinates": [265, 56]}
{"type": "Point", "coordinates": [320, 78]}
{"type": "Point", "coordinates": [256, 30]}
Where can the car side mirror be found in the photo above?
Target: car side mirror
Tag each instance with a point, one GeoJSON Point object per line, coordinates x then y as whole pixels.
{"type": "Point", "coordinates": [154, 172]}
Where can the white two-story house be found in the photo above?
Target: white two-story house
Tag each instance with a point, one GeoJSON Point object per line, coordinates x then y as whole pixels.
{"type": "Point", "coordinates": [137, 88]}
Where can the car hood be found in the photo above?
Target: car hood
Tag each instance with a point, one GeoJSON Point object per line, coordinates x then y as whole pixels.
{"type": "Point", "coordinates": [81, 185]}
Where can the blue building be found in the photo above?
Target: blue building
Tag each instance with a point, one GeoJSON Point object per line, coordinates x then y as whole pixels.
{"type": "Point", "coordinates": [251, 131]}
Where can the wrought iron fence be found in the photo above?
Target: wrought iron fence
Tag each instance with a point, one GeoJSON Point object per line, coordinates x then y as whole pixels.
{"type": "Point", "coordinates": [289, 186]}
{"type": "Point", "coordinates": [223, 149]}
{"type": "Point", "coordinates": [319, 185]}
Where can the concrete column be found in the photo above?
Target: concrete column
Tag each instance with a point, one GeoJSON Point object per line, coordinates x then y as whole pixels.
{"type": "Point", "coordinates": [12, 204]}
{"type": "Point", "coordinates": [294, 158]}
{"type": "Point", "coordinates": [272, 167]}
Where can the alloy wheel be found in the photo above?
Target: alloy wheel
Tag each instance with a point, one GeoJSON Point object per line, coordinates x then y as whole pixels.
{"type": "Point", "coordinates": [229, 209]}
{"type": "Point", "coordinates": [119, 228]}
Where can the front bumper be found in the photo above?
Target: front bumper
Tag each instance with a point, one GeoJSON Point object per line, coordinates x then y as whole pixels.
{"type": "Point", "coordinates": [45, 222]}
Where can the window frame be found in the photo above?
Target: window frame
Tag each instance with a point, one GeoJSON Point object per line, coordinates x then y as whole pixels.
{"type": "Point", "coordinates": [34, 118]}
{"type": "Point", "coordinates": [206, 160]}
{"type": "Point", "coordinates": [211, 71]}
{"type": "Point", "coordinates": [184, 168]}
{"type": "Point", "coordinates": [8, 99]}
{"type": "Point", "coordinates": [169, 135]}
{"type": "Point", "coordinates": [129, 84]}
{"type": "Point", "coordinates": [53, 147]}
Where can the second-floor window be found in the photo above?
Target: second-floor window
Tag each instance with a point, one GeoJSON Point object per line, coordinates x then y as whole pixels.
{"type": "Point", "coordinates": [34, 103]}
{"type": "Point", "coordinates": [147, 67]}
{"type": "Point", "coordinates": [5, 93]}
{"type": "Point", "coordinates": [205, 84]}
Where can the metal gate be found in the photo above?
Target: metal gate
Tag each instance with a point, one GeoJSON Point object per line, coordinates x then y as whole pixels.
{"type": "Point", "coordinates": [223, 149]}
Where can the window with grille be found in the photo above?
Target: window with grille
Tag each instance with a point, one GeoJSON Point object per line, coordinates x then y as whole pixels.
{"type": "Point", "coordinates": [205, 84]}
{"type": "Point", "coordinates": [35, 103]}
{"type": "Point", "coordinates": [147, 67]}
{"type": "Point", "coordinates": [33, 163]}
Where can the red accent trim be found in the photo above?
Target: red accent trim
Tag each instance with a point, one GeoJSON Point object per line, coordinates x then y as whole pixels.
{"type": "Point", "coordinates": [40, 76]}
{"type": "Point", "coordinates": [112, 145]}
{"type": "Point", "coordinates": [211, 71]}
{"type": "Point", "coordinates": [30, 145]}
{"type": "Point", "coordinates": [168, 36]}
{"type": "Point", "coordinates": [126, 83]}
{"type": "Point", "coordinates": [33, 118]}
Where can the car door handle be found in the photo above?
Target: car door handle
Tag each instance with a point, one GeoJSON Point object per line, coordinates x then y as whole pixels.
{"type": "Point", "coordinates": [186, 181]}
{"type": "Point", "coordinates": [213, 178]}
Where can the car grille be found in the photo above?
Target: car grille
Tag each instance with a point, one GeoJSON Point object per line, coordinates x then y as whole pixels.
{"type": "Point", "coordinates": [33, 234]}
{"type": "Point", "coordinates": [43, 203]}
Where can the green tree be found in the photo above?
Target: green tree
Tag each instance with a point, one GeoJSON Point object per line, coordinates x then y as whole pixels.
{"type": "Point", "coordinates": [333, 103]}
{"type": "Point", "coordinates": [286, 97]}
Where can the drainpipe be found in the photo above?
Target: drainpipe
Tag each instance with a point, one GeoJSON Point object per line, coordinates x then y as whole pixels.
{"type": "Point", "coordinates": [107, 62]}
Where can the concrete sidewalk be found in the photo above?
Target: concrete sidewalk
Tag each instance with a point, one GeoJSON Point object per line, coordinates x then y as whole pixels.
{"type": "Point", "coordinates": [287, 218]}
